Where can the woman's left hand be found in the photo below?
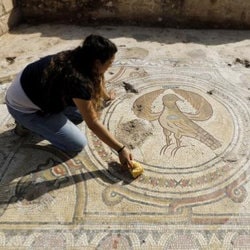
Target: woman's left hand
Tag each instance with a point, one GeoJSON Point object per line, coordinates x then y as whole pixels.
{"type": "Point", "coordinates": [125, 158]}
{"type": "Point", "coordinates": [112, 94]}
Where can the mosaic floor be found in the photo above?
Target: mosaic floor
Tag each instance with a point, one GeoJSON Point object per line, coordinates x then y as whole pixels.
{"type": "Point", "coordinates": [182, 107]}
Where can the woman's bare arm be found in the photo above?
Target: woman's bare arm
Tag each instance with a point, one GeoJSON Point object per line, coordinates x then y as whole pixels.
{"type": "Point", "coordinates": [91, 118]}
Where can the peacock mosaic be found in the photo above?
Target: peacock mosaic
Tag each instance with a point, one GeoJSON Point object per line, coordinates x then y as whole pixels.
{"type": "Point", "coordinates": [186, 132]}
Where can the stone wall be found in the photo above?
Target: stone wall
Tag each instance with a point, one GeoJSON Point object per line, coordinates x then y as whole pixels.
{"type": "Point", "coordinates": [174, 13]}
{"type": "Point", "coordinates": [9, 15]}
{"type": "Point", "coordinates": [164, 13]}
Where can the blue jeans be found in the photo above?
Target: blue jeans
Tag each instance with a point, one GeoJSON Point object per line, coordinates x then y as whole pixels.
{"type": "Point", "coordinates": [59, 129]}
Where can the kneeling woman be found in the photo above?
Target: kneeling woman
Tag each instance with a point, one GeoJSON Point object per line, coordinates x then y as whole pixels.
{"type": "Point", "coordinates": [50, 96]}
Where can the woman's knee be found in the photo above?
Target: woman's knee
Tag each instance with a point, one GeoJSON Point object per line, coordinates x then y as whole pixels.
{"type": "Point", "coordinates": [76, 146]}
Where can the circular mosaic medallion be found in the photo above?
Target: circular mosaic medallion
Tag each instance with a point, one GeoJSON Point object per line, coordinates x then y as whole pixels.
{"type": "Point", "coordinates": [185, 131]}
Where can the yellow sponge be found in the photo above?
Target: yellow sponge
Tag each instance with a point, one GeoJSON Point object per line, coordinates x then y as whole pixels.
{"type": "Point", "coordinates": [137, 169]}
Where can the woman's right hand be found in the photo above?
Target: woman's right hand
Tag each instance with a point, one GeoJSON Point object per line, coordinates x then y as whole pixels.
{"type": "Point", "coordinates": [125, 158]}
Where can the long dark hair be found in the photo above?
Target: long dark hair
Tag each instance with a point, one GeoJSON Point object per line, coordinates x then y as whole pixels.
{"type": "Point", "coordinates": [81, 61]}
{"type": "Point", "coordinates": [94, 47]}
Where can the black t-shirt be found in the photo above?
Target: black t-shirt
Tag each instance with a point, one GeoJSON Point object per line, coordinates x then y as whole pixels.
{"type": "Point", "coordinates": [54, 95]}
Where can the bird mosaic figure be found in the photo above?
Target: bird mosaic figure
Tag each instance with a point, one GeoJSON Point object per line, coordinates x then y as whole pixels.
{"type": "Point", "coordinates": [176, 122]}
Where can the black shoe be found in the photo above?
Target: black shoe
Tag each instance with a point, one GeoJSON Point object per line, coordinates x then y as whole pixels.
{"type": "Point", "coordinates": [21, 130]}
